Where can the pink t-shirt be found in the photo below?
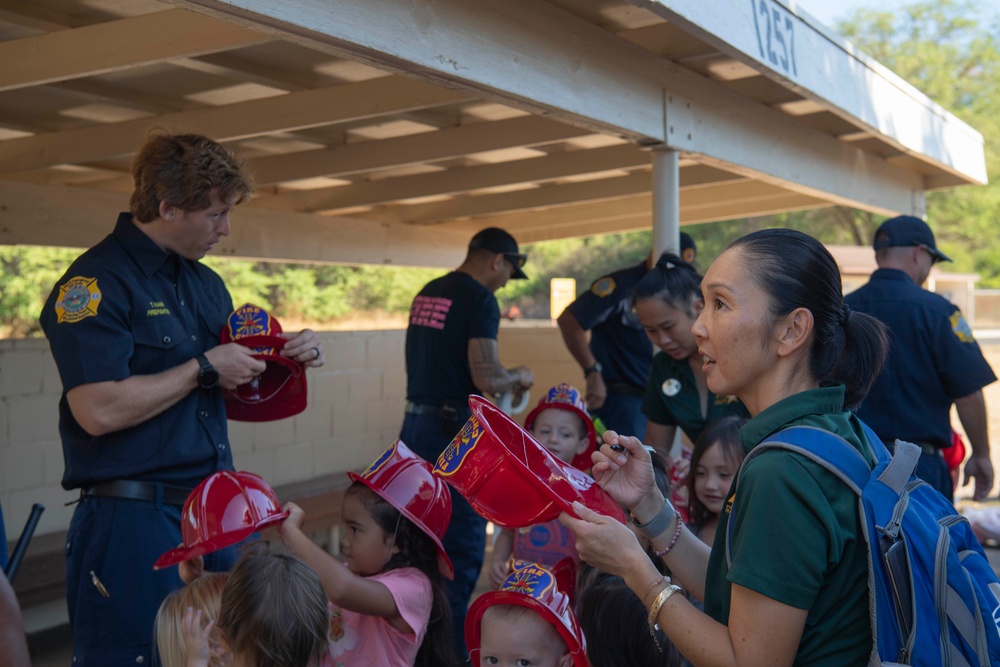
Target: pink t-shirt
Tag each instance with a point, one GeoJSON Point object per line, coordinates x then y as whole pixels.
{"type": "Point", "coordinates": [358, 640]}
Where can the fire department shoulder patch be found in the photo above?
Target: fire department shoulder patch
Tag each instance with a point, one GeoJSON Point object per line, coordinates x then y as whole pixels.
{"type": "Point", "coordinates": [603, 286]}
{"type": "Point", "coordinates": [961, 328]}
{"type": "Point", "coordinates": [78, 299]}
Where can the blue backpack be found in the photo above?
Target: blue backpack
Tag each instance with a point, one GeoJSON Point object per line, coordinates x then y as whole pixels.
{"type": "Point", "coordinates": [934, 599]}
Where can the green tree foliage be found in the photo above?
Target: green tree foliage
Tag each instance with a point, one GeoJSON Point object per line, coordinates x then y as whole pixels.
{"type": "Point", "coordinates": [943, 49]}
{"type": "Point", "coordinates": [28, 275]}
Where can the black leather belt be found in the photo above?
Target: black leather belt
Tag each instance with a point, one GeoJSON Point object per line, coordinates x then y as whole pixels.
{"type": "Point", "coordinates": [421, 409]}
{"type": "Point", "coordinates": [132, 490]}
{"type": "Point", "coordinates": [926, 448]}
{"type": "Point", "coordinates": [625, 388]}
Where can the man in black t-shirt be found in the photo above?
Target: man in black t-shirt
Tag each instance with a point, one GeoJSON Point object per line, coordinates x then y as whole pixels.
{"type": "Point", "coordinates": [451, 352]}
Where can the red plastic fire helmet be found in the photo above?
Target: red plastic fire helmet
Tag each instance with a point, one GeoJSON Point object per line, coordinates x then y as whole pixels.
{"type": "Point", "coordinates": [404, 480]}
{"type": "Point", "coordinates": [510, 478]}
{"type": "Point", "coordinates": [565, 396]}
{"type": "Point", "coordinates": [221, 511]}
{"type": "Point", "coordinates": [530, 585]}
{"type": "Point", "coordinates": [280, 391]}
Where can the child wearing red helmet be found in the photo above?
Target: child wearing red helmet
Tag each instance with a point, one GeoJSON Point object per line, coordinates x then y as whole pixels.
{"type": "Point", "coordinates": [529, 621]}
{"type": "Point", "coordinates": [561, 423]}
{"type": "Point", "coordinates": [389, 588]}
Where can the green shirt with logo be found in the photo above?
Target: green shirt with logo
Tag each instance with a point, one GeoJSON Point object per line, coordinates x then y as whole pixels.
{"type": "Point", "coordinates": [796, 535]}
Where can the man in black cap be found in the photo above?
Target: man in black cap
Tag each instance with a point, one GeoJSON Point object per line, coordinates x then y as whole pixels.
{"type": "Point", "coordinates": [617, 358]}
{"type": "Point", "coordinates": [933, 362]}
{"type": "Point", "coordinates": [451, 352]}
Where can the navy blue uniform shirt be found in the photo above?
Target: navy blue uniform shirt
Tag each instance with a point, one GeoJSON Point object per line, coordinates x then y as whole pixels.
{"type": "Point", "coordinates": [447, 313]}
{"type": "Point", "coordinates": [933, 359]}
{"type": "Point", "coordinates": [127, 307]}
{"type": "Point", "coordinates": [616, 338]}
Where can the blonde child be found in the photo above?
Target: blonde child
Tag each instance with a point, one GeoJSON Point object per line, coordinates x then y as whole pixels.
{"type": "Point", "coordinates": [274, 612]}
{"type": "Point", "coordinates": [715, 460]}
{"type": "Point", "coordinates": [185, 634]}
{"type": "Point", "coordinates": [389, 589]}
{"type": "Point", "coordinates": [528, 621]}
{"type": "Point", "coordinates": [560, 422]}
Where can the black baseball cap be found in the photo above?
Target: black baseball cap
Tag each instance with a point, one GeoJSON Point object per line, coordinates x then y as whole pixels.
{"type": "Point", "coordinates": [494, 239]}
{"type": "Point", "coordinates": [687, 243]}
{"type": "Point", "coordinates": [906, 230]}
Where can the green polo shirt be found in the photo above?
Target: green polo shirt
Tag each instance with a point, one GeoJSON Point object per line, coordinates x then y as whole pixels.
{"type": "Point", "coordinates": [797, 538]}
{"type": "Point", "coordinates": [671, 398]}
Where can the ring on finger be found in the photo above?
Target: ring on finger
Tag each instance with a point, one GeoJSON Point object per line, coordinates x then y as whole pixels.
{"type": "Point", "coordinates": [316, 350]}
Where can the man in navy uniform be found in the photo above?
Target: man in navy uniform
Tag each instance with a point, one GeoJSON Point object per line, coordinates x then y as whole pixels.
{"type": "Point", "coordinates": [451, 352]}
{"type": "Point", "coordinates": [617, 358]}
{"type": "Point", "coordinates": [933, 362]}
{"type": "Point", "coordinates": [134, 326]}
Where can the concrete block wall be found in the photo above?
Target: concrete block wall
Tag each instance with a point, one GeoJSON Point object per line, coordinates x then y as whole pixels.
{"type": "Point", "coordinates": [355, 410]}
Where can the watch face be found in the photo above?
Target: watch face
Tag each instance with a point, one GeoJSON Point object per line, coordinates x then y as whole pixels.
{"type": "Point", "coordinates": [209, 378]}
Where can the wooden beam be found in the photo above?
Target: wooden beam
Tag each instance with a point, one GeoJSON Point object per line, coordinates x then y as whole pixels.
{"type": "Point", "coordinates": [284, 113]}
{"type": "Point", "coordinates": [36, 215]}
{"type": "Point", "coordinates": [692, 179]}
{"type": "Point", "coordinates": [459, 180]}
{"type": "Point", "coordinates": [491, 204]}
{"type": "Point", "coordinates": [117, 45]}
{"type": "Point", "coordinates": [538, 57]}
{"type": "Point", "coordinates": [413, 149]}
{"type": "Point", "coordinates": [628, 214]}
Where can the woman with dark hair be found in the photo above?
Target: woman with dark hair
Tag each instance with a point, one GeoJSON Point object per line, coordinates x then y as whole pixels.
{"type": "Point", "coordinates": [775, 332]}
{"type": "Point", "coordinates": [667, 301]}
{"type": "Point", "coordinates": [609, 613]}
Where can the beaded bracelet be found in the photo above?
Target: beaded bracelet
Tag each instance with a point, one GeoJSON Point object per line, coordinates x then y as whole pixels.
{"type": "Point", "coordinates": [654, 609]}
{"type": "Point", "coordinates": [656, 582]}
{"type": "Point", "coordinates": [673, 540]}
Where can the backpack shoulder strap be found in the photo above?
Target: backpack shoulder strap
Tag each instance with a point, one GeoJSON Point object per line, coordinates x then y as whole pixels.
{"type": "Point", "coordinates": [827, 449]}
{"type": "Point", "coordinates": [840, 458]}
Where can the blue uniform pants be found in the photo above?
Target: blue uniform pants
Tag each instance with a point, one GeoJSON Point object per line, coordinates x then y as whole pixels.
{"type": "Point", "coordinates": [932, 469]}
{"type": "Point", "coordinates": [622, 413]}
{"type": "Point", "coordinates": [117, 541]}
{"type": "Point", "coordinates": [465, 541]}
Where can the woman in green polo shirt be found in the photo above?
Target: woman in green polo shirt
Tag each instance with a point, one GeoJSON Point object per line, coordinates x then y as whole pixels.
{"type": "Point", "coordinates": [667, 301]}
{"type": "Point", "coordinates": [775, 332]}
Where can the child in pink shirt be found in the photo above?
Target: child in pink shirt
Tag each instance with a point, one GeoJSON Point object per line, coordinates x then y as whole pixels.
{"type": "Point", "coordinates": [389, 587]}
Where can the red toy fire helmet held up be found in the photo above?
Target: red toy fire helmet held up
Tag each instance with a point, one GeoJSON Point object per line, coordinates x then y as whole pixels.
{"type": "Point", "coordinates": [280, 391]}
{"type": "Point", "coordinates": [510, 478]}
{"type": "Point", "coordinates": [225, 508]}
{"type": "Point", "coordinates": [404, 480]}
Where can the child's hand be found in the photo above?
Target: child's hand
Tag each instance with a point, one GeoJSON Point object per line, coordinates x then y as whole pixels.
{"type": "Point", "coordinates": [679, 475]}
{"type": "Point", "coordinates": [196, 638]}
{"type": "Point", "coordinates": [499, 569]}
{"type": "Point", "coordinates": [191, 569]}
{"type": "Point", "coordinates": [296, 517]}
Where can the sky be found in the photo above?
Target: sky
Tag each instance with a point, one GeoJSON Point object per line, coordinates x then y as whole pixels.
{"type": "Point", "coordinates": [831, 11]}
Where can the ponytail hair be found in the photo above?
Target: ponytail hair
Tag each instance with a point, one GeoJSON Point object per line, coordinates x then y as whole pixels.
{"type": "Point", "coordinates": [673, 281]}
{"type": "Point", "coordinates": [797, 271]}
{"type": "Point", "coordinates": [416, 550]}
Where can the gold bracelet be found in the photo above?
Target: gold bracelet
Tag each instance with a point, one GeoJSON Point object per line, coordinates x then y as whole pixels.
{"type": "Point", "coordinates": [654, 609]}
